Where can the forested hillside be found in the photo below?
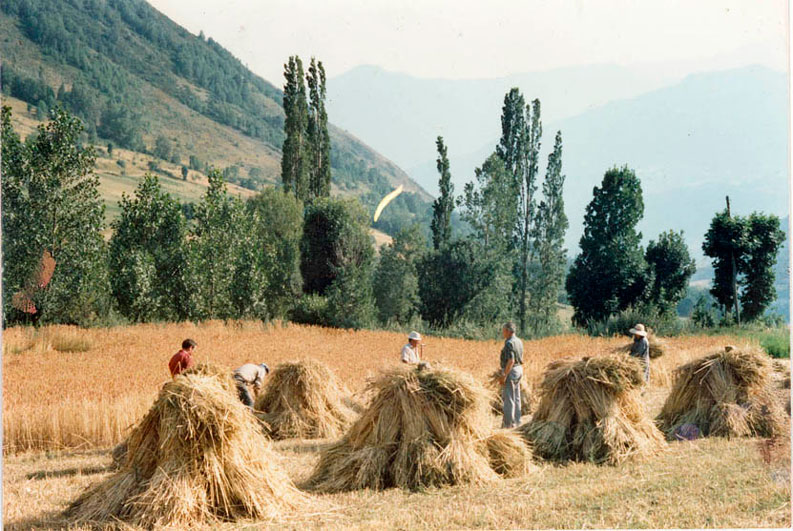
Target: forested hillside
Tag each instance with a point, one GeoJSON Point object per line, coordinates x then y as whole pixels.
{"type": "Point", "coordinates": [142, 83]}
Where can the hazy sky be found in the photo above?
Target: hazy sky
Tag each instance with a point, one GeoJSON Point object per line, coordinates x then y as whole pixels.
{"type": "Point", "coordinates": [492, 38]}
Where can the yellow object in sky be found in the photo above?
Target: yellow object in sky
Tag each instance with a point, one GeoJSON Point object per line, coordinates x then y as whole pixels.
{"type": "Point", "coordinates": [387, 199]}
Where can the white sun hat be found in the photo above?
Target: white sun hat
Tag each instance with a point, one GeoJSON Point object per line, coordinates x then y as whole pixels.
{"type": "Point", "coordinates": [638, 330]}
{"type": "Point", "coordinates": [415, 335]}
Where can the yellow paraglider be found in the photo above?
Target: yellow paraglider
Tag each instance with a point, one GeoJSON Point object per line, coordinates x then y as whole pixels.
{"type": "Point", "coordinates": [387, 199]}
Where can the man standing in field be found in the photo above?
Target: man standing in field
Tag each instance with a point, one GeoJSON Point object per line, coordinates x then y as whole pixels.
{"type": "Point", "coordinates": [641, 348]}
{"type": "Point", "coordinates": [182, 360]}
{"type": "Point", "coordinates": [410, 352]}
{"type": "Point", "coordinates": [250, 374]}
{"type": "Point", "coordinates": [511, 374]}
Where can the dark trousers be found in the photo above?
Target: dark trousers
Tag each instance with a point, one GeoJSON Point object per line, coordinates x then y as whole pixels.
{"type": "Point", "coordinates": [245, 395]}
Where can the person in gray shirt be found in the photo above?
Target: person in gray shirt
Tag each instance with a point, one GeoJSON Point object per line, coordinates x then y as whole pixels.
{"type": "Point", "coordinates": [250, 374]}
{"type": "Point", "coordinates": [511, 374]}
{"type": "Point", "coordinates": [641, 348]}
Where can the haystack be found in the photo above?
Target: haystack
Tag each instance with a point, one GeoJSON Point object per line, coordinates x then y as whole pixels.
{"type": "Point", "coordinates": [497, 402]}
{"type": "Point", "coordinates": [198, 457]}
{"type": "Point", "coordinates": [422, 428]}
{"type": "Point", "coordinates": [305, 400]}
{"type": "Point", "coordinates": [590, 410]}
{"type": "Point", "coordinates": [729, 393]}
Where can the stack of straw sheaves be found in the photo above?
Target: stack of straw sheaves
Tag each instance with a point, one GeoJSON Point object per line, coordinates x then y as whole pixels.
{"type": "Point", "coordinates": [422, 428]}
{"type": "Point", "coordinates": [305, 400]}
{"type": "Point", "coordinates": [729, 393]}
{"type": "Point", "coordinates": [590, 410]}
{"type": "Point", "coordinates": [197, 457]}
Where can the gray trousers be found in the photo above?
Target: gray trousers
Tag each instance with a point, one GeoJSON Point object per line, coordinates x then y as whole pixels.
{"type": "Point", "coordinates": [646, 362]}
{"type": "Point", "coordinates": [243, 392]}
{"type": "Point", "coordinates": [510, 395]}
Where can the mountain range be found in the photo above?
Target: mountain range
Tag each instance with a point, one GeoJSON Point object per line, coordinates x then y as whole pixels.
{"type": "Point", "coordinates": [691, 142]}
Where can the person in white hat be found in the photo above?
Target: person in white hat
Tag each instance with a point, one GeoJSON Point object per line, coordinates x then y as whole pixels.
{"type": "Point", "coordinates": [411, 352]}
{"type": "Point", "coordinates": [641, 348]}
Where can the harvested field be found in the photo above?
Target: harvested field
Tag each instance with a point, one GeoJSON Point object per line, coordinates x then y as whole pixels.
{"type": "Point", "coordinates": [80, 411]}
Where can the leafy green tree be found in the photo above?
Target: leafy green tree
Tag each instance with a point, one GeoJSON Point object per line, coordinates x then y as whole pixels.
{"type": "Point", "coordinates": [184, 172]}
{"type": "Point", "coordinates": [317, 132]}
{"type": "Point", "coordinates": [609, 274]}
{"type": "Point", "coordinates": [550, 226]}
{"type": "Point", "coordinates": [725, 244]}
{"type": "Point", "coordinates": [147, 255]}
{"type": "Point", "coordinates": [51, 202]}
{"type": "Point", "coordinates": [670, 267]}
{"type": "Point", "coordinates": [450, 278]}
{"type": "Point", "coordinates": [325, 224]}
{"type": "Point", "coordinates": [163, 148]}
{"type": "Point", "coordinates": [213, 251]}
{"type": "Point", "coordinates": [120, 123]}
{"type": "Point", "coordinates": [350, 297]}
{"type": "Point", "coordinates": [763, 239]}
{"type": "Point", "coordinates": [443, 206]}
{"type": "Point", "coordinates": [294, 166]}
{"type": "Point", "coordinates": [396, 278]}
{"type": "Point", "coordinates": [490, 207]}
{"type": "Point", "coordinates": [267, 274]}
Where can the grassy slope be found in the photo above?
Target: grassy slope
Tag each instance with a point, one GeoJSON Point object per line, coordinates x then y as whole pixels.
{"type": "Point", "coordinates": [707, 483]}
{"type": "Point", "coordinates": [191, 132]}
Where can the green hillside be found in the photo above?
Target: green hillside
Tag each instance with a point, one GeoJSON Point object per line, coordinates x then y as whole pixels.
{"type": "Point", "coordinates": [169, 99]}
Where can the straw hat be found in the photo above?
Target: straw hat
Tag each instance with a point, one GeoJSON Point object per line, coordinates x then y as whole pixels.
{"type": "Point", "coordinates": [415, 335]}
{"type": "Point", "coordinates": [638, 330]}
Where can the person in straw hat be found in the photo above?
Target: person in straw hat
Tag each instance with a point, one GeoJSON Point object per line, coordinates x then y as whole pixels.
{"type": "Point", "coordinates": [250, 374]}
{"type": "Point", "coordinates": [641, 348]}
{"type": "Point", "coordinates": [511, 374]}
{"type": "Point", "coordinates": [411, 352]}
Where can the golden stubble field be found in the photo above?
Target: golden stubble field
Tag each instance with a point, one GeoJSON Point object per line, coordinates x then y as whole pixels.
{"type": "Point", "coordinates": [64, 409]}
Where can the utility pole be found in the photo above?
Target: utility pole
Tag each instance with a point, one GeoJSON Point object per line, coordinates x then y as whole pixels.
{"type": "Point", "coordinates": [734, 273]}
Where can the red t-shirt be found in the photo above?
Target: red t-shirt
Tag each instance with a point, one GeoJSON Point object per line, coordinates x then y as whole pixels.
{"type": "Point", "coordinates": [181, 361]}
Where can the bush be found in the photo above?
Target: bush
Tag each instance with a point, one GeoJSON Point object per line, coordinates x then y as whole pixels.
{"type": "Point", "coordinates": [310, 309]}
{"type": "Point", "coordinates": [619, 324]}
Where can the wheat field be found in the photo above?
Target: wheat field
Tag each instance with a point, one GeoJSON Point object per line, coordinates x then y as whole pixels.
{"type": "Point", "coordinates": [69, 394]}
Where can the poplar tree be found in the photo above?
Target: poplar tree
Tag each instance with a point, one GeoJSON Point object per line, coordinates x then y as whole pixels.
{"type": "Point", "coordinates": [294, 167]}
{"type": "Point", "coordinates": [763, 239]}
{"type": "Point", "coordinates": [550, 226]}
{"type": "Point", "coordinates": [443, 206]}
{"type": "Point", "coordinates": [317, 133]}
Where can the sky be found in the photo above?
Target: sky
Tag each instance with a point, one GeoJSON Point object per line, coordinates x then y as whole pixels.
{"type": "Point", "coordinates": [458, 39]}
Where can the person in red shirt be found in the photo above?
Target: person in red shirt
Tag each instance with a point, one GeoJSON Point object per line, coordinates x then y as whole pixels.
{"type": "Point", "coordinates": [182, 360]}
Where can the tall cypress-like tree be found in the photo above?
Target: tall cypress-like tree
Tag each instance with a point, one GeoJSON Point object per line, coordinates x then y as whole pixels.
{"type": "Point", "coordinates": [443, 206]}
{"type": "Point", "coordinates": [318, 136]}
{"type": "Point", "coordinates": [725, 243]}
{"type": "Point", "coordinates": [550, 225]}
{"type": "Point", "coordinates": [519, 148]}
{"type": "Point", "coordinates": [294, 169]}
{"type": "Point", "coordinates": [763, 238]}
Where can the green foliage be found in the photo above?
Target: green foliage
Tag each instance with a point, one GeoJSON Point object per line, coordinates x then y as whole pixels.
{"type": "Point", "coordinates": [294, 158]}
{"type": "Point", "coordinates": [776, 343]}
{"type": "Point", "coordinates": [51, 201]}
{"type": "Point", "coordinates": [763, 239]}
{"type": "Point", "coordinates": [671, 268]}
{"type": "Point", "coordinates": [317, 132]}
{"type": "Point", "coordinates": [147, 259]}
{"type": "Point", "coordinates": [704, 314]}
{"type": "Point", "coordinates": [620, 322]}
{"type": "Point", "coordinates": [214, 249]}
{"type": "Point", "coordinates": [752, 244]}
{"type": "Point", "coordinates": [443, 206]}
{"type": "Point", "coordinates": [548, 252]}
{"type": "Point", "coordinates": [267, 275]}
{"type": "Point", "coordinates": [609, 274]}
{"type": "Point", "coordinates": [396, 278]}
{"type": "Point", "coordinates": [327, 223]}
{"type": "Point", "coordinates": [311, 308]}
{"type": "Point", "coordinates": [163, 148]}
{"type": "Point", "coordinates": [452, 277]}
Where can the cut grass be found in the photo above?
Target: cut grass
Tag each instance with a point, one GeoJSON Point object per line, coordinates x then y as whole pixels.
{"type": "Point", "coordinates": [707, 483]}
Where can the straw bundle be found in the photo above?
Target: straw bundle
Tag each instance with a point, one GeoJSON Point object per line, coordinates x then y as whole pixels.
{"type": "Point", "coordinates": [728, 394]}
{"type": "Point", "coordinates": [589, 410]}
{"type": "Point", "coordinates": [197, 457]}
{"type": "Point", "coordinates": [658, 347]}
{"type": "Point", "coordinates": [497, 401]}
{"type": "Point", "coordinates": [304, 400]}
{"type": "Point", "coordinates": [423, 428]}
